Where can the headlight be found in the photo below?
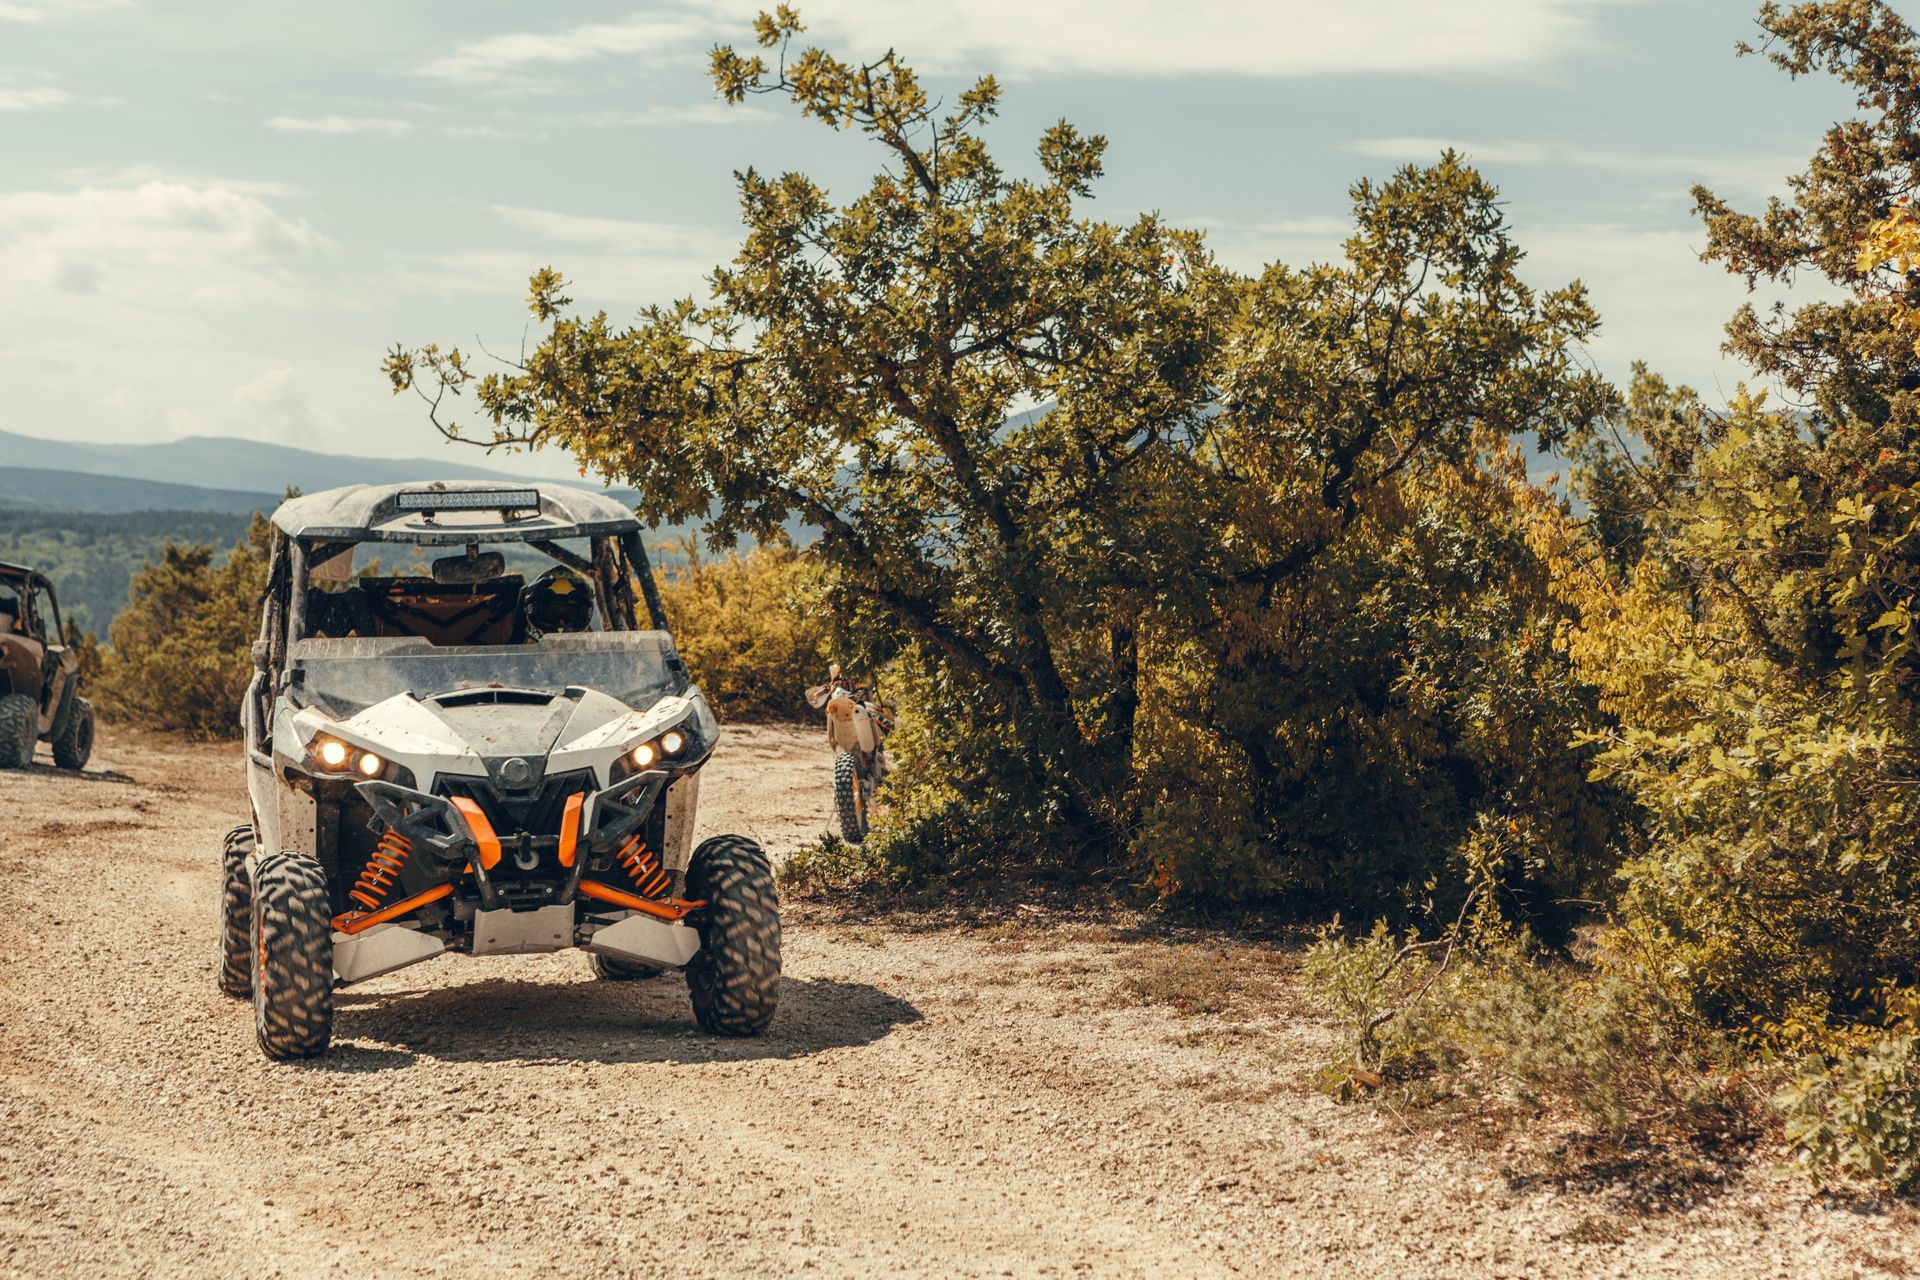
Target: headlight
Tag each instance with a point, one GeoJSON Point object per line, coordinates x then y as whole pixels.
{"type": "Point", "coordinates": [668, 747]}
{"type": "Point", "coordinates": [331, 755]}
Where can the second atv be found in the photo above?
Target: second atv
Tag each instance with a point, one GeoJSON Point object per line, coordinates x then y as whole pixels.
{"type": "Point", "coordinates": [457, 760]}
{"type": "Point", "coordinates": [39, 676]}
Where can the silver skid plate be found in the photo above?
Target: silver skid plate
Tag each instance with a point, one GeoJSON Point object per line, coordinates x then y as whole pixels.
{"type": "Point", "coordinates": [508, 933]}
{"type": "Point", "coordinates": [381, 949]}
{"type": "Point", "coordinates": [644, 940]}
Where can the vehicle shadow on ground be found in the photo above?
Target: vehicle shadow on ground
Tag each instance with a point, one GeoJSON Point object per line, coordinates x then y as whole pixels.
{"type": "Point", "coordinates": [38, 770]}
{"type": "Point", "coordinates": [500, 1020]}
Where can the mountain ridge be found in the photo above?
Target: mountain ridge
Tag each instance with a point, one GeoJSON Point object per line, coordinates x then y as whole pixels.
{"type": "Point", "coordinates": [236, 465]}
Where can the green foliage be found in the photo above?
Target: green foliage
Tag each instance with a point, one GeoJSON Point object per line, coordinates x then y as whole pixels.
{"type": "Point", "coordinates": [1860, 1114]}
{"type": "Point", "coordinates": [181, 652]}
{"type": "Point", "coordinates": [1747, 594]}
{"type": "Point", "coordinates": [1381, 990]}
{"type": "Point", "coordinates": [1248, 607]}
{"type": "Point", "coordinates": [748, 629]}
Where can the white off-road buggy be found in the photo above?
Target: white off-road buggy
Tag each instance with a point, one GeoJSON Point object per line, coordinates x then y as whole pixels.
{"type": "Point", "coordinates": [439, 761]}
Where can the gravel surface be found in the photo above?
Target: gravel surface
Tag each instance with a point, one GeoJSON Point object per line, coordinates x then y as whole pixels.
{"type": "Point", "coordinates": [930, 1101]}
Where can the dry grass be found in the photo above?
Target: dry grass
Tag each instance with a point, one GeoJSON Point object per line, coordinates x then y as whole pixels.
{"type": "Point", "coordinates": [1200, 979]}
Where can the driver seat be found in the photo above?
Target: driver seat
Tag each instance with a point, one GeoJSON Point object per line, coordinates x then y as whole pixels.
{"type": "Point", "coordinates": [477, 613]}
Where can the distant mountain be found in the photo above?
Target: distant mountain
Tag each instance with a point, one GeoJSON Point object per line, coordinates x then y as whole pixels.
{"type": "Point", "coordinates": [32, 487]}
{"type": "Point", "coordinates": [248, 466]}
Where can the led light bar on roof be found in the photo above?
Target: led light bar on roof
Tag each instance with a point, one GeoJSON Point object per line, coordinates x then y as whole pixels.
{"type": "Point", "coordinates": [468, 499]}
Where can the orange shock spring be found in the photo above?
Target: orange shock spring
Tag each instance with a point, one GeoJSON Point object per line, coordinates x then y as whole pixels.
{"type": "Point", "coordinates": [643, 868]}
{"type": "Point", "coordinates": [382, 871]}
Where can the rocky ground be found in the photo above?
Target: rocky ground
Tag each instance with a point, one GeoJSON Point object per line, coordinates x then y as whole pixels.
{"type": "Point", "coordinates": [1048, 1096]}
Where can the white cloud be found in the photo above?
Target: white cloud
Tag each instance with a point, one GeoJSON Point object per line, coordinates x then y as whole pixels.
{"type": "Point", "coordinates": [38, 98]}
{"type": "Point", "coordinates": [698, 113]}
{"type": "Point", "coordinates": [53, 10]}
{"type": "Point", "coordinates": [666, 239]}
{"type": "Point", "coordinates": [277, 406]}
{"type": "Point", "coordinates": [43, 97]}
{"type": "Point", "coordinates": [1232, 37]}
{"type": "Point", "coordinates": [616, 263]}
{"type": "Point", "coordinates": [486, 131]}
{"type": "Point", "coordinates": [195, 285]}
{"type": "Point", "coordinates": [501, 57]}
{"type": "Point", "coordinates": [340, 125]}
{"type": "Point", "coordinates": [1099, 37]}
{"type": "Point", "coordinates": [155, 244]}
{"type": "Point", "coordinates": [1249, 246]}
{"type": "Point", "coordinates": [1729, 171]}
{"type": "Point", "coordinates": [1657, 301]}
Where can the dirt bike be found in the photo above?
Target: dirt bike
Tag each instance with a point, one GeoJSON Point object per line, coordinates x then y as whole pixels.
{"type": "Point", "coordinates": [857, 727]}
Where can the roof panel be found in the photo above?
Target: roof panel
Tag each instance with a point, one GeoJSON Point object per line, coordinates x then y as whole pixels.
{"type": "Point", "coordinates": [372, 513]}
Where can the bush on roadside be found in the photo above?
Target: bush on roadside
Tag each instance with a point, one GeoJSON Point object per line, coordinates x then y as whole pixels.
{"type": "Point", "coordinates": [1855, 1111]}
{"type": "Point", "coordinates": [746, 628]}
{"type": "Point", "coordinates": [1513, 1030]}
{"type": "Point", "coordinates": [830, 865]}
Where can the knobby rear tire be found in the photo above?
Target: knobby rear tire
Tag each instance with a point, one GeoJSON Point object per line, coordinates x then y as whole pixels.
{"type": "Point", "coordinates": [847, 798]}
{"type": "Point", "coordinates": [19, 727]}
{"type": "Point", "coordinates": [73, 745]}
{"type": "Point", "coordinates": [292, 957]}
{"type": "Point", "coordinates": [734, 980]}
{"type": "Point", "coordinates": [236, 915]}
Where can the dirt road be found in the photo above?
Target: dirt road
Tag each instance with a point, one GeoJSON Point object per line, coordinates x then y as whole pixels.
{"type": "Point", "coordinates": [930, 1101]}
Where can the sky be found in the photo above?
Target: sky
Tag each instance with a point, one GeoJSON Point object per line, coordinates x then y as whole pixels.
{"type": "Point", "coordinates": [215, 218]}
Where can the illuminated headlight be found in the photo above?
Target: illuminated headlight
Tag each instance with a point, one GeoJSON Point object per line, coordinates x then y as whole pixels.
{"type": "Point", "coordinates": [335, 756]}
{"type": "Point", "coordinates": [666, 750]}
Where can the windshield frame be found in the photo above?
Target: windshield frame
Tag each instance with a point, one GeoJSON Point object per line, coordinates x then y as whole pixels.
{"type": "Point", "coordinates": [617, 562]}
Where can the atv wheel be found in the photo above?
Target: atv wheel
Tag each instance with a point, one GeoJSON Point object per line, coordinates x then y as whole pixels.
{"type": "Point", "coordinates": [292, 957]}
{"type": "Point", "coordinates": [19, 726]}
{"type": "Point", "coordinates": [849, 797]}
{"type": "Point", "coordinates": [621, 971]}
{"type": "Point", "coordinates": [74, 744]}
{"type": "Point", "coordinates": [236, 916]}
{"type": "Point", "coordinates": [735, 978]}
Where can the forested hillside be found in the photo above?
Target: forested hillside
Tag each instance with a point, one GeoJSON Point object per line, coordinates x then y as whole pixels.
{"type": "Point", "coordinates": [93, 556]}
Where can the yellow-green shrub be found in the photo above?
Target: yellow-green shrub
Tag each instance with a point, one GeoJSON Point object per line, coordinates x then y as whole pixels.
{"type": "Point", "coordinates": [747, 631]}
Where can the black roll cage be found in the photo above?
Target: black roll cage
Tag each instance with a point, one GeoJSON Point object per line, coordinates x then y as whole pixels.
{"type": "Point", "coordinates": [617, 561]}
